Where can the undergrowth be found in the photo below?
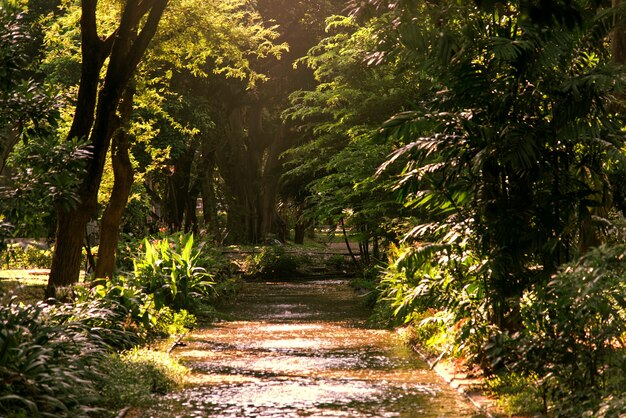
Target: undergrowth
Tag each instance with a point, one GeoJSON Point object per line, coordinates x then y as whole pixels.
{"type": "Point", "coordinates": [81, 358]}
{"type": "Point", "coordinates": [133, 377]}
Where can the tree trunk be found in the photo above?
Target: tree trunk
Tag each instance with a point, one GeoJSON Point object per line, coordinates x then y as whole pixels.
{"type": "Point", "coordinates": [376, 248]}
{"type": "Point", "coordinates": [125, 48]}
{"type": "Point", "coordinates": [299, 233]}
{"type": "Point", "coordinates": [68, 256]}
{"type": "Point", "coordinates": [8, 143]}
{"type": "Point", "coordinates": [208, 194]}
{"type": "Point", "coordinates": [177, 199]}
{"type": "Point", "coordinates": [272, 171]}
{"type": "Point", "coordinates": [345, 238]}
{"type": "Point", "coordinates": [191, 218]}
{"type": "Point", "coordinates": [74, 221]}
{"type": "Point", "coordinates": [240, 173]}
{"type": "Point", "coordinates": [248, 157]}
{"type": "Point", "coordinates": [618, 41]}
{"type": "Point", "coordinates": [122, 183]}
{"type": "Point", "coordinates": [300, 227]}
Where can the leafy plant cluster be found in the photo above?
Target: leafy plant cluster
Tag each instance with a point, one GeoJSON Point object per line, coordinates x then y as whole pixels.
{"type": "Point", "coordinates": [273, 261]}
{"type": "Point", "coordinates": [169, 270]}
{"type": "Point", "coordinates": [439, 287]}
{"type": "Point", "coordinates": [45, 350]}
{"type": "Point", "coordinates": [45, 174]}
{"type": "Point", "coordinates": [180, 270]}
{"type": "Point", "coordinates": [54, 359]}
{"type": "Point", "coordinates": [573, 335]}
{"type": "Point", "coordinates": [173, 278]}
{"type": "Point", "coordinates": [31, 256]}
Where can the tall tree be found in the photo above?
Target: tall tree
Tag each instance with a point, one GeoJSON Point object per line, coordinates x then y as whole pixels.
{"type": "Point", "coordinates": [95, 116]}
{"type": "Point", "coordinates": [341, 119]}
{"type": "Point", "coordinates": [255, 136]}
{"type": "Point", "coordinates": [516, 151]}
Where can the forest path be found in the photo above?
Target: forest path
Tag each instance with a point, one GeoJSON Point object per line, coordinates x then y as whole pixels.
{"type": "Point", "coordinates": [302, 348]}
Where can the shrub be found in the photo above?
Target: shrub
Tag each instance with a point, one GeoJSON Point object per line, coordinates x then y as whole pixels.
{"type": "Point", "coordinates": [47, 364]}
{"type": "Point", "coordinates": [168, 269]}
{"type": "Point", "coordinates": [136, 310]}
{"type": "Point", "coordinates": [175, 322]}
{"type": "Point", "coordinates": [132, 377]}
{"type": "Point", "coordinates": [516, 394]}
{"type": "Point", "coordinates": [133, 318]}
{"type": "Point", "coordinates": [426, 283]}
{"type": "Point", "coordinates": [57, 361]}
{"type": "Point", "coordinates": [573, 333]}
{"type": "Point", "coordinates": [31, 256]}
{"type": "Point", "coordinates": [272, 261]}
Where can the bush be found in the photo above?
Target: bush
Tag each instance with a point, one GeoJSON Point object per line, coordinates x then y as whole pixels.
{"type": "Point", "coordinates": [425, 284]}
{"type": "Point", "coordinates": [57, 361]}
{"type": "Point", "coordinates": [516, 394]}
{"type": "Point", "coordinates": [573, 334]}
{"type": "Point", "coordinates": [175, 322]}
{"type": "Point", "coordinates": [133, 311]}
{"type": "Point", "coordinates": [272, 261]}
{"type": "Point", "coordinates": [137, 312]}
{"type": "Point", "coordinates": [131, 378]}
{"type": "Point", "coordinates": [47, 363]}
{"type": "Point", "coordinates": [16, 256]}
{"type": "Point", "coordinates": [168, 269]}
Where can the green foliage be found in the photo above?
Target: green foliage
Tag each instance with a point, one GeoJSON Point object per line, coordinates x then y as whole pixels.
{"type": "Point", "coordinates": [168, 269]}
{"type": "Point", "coordinates": [517, 394]}
{"type": "Point", "coordinates": [24, 105]}
{"type": "Point", "coordinates": [48, 360]}
{"type": "Point", "coordinates": [573, 331]}
{"type": "Point", "coordinates": [331, 171]}
{"type": "Point", "coordinates": [176, 322]}
{"type": "Point", "coordinates": [223, 37]}
{"type": "Point", "coordinates": [28, 114]}
{"type": "Point", "coordinates": [437, 283]}
{"type": "Point", "coordinates": [509, 156]}
{"type": "Point", "coordinates": [57, 361]}
{"type": "Point", "coordinates": [33, 256]}
{"type": "Point", "coordinates": [207, 264]}
{"type": "Point", "coordinates": [45, 176]}
{"type": "Point", "coordinates": [272, 261]}
{"type": "Point", "coordinates": [475, 151]}
{"type": "Point", "coordinates": [136, 309]}
{"type": "Point", "coordinates": [133, 377]}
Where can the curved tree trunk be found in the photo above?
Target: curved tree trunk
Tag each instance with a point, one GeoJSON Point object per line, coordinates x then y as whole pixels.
{"type": "Point", "coordinates": [122, 184]}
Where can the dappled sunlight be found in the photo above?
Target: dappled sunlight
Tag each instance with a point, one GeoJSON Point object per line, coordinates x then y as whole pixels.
{"type": "Point", "coordinates": [302, 349]}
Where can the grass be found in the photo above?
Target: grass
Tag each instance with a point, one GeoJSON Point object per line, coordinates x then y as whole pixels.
{"type": "Point", "coordinates": [516, 395]}
{"type": "Point", "coordinates": [27, 285]}
{"type": "Point", "coordinates": [134, 377]}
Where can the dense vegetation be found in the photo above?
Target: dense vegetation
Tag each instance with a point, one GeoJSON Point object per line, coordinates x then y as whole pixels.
{"type": "Point", "coordinates": [474, 150]}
